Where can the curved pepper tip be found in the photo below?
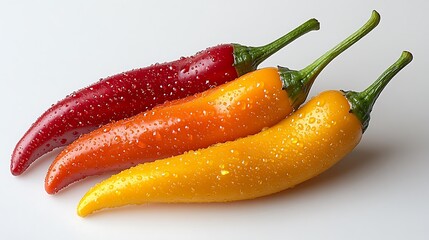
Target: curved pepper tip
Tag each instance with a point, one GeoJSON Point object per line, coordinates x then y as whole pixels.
{"type": "Point", "coordinates": [14, 170]}
{"type": "Point", "coordinates": [51, 185]}
{"type": "Point", "coordinates": [22, 157]}
{"type": "Point", "coordinates": [56, 179]}
{"type": "Point", "coordinates": [84, 208]}
{"type": "Point", "coordinates": [50, 189]}
{"type": "Point", "coordinates": [15, 167]}
{"type": "Point", "coordinates": [81, 211]}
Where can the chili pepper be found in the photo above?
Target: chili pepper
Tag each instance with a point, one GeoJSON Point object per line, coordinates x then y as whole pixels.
{"type": "Point", "coordinates": [298, 148]}
{"type": "Point", "coordinates": [129, 93]}
{"type": "Point", "coordinates": [237, 109]}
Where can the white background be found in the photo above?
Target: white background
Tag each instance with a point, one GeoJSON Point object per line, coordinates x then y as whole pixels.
{"type": "Point", "coordinates": [379, 191]}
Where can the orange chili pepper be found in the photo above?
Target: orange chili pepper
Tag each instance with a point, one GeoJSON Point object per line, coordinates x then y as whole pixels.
{"type": "Point", "coordinates": [237, 109]}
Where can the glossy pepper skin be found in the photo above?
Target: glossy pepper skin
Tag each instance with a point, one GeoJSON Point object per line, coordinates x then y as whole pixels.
{"type": "Point", "coordinates": [237, 109]}
{"type": "Point", "coordinates": [129, 93]}
{"type": "Point", "coordinates": [298, 148]}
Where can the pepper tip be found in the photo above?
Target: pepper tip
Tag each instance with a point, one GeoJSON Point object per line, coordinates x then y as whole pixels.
{"type": "Point", "coordinates": [14, 171]}
{"type": "Point", "coordinates": [81, 210]}
{"type": "Point", "coordinates": [49, 189]}
{"type": "Point", "coordinates": [15, 168]}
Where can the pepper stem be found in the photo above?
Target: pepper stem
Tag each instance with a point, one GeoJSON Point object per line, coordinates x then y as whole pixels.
{"type": "Point", "coordinates": [247, 59]}
{"type": "Point", "coordinates": [363, 102]}
{"type": "Point", "coordinates": [298, 83]}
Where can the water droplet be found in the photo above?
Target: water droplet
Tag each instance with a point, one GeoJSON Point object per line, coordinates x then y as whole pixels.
{"type": "Point", "coordinates": [157, 136]}
{"type": "Point", "coordinates": [320, 103]}
{"type": "Point", "coordinates": [142, 144]}
{"type": "Point", "coordinates": [312, 120]}
{"type": "Point", "coordinates": [224, 172]}
{"type": "Point", "coordinates": [190, 137]}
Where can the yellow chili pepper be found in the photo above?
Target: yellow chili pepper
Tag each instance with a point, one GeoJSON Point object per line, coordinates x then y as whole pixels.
{"type": "Point", "coordinates": [298, 148]}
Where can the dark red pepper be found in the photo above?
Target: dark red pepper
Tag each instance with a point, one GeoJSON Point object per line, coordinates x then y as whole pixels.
{"type": "Point", "coordinates": [126, 94]}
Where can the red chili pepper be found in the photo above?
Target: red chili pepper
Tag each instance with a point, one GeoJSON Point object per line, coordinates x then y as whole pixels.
{"type": "Point", "coordinates": [124, 95]}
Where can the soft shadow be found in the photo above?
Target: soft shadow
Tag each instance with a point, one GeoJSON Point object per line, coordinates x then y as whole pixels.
{"type": "Point", "coordinates": [363, 158]}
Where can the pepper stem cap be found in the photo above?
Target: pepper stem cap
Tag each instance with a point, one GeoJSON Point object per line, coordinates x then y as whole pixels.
{"type": "Point", "coordinates": [247, 59]}
{"type": "Point", "coordinates": [363, 102]}
{"type": "Point", "coordinates": [298, 83]}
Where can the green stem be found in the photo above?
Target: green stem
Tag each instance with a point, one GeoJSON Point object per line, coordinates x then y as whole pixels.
{"type": "Point", "coordinates": [298, 83]}
{"type": "Point", "coordinates": [263, 52]}
{"type": "Point", "coordinates": [363, 102]}
{"type": "Point", "coordinates": [247, 59]}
